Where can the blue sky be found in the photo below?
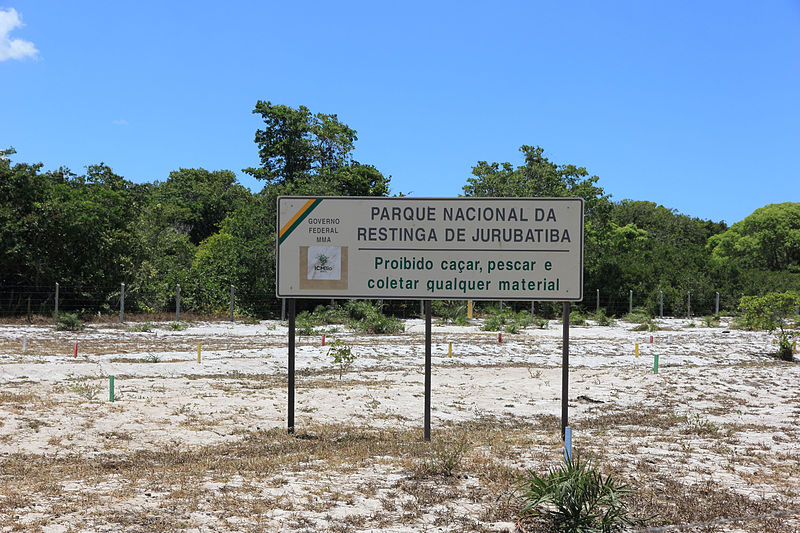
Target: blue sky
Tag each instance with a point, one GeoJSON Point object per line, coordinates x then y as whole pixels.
{"type": "Point", "coordinates": [693, 105]}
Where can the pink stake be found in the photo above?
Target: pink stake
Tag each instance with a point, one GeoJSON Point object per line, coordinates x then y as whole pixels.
{"type": "Point", "coordinates": [323, 339]}
{"type": "Point", "coordinates": [76, 350]}
{"type": "Point", "coordinates": [499, 337]}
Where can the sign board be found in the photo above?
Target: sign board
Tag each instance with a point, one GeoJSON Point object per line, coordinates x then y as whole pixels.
{"type": "Point", "coordinates": [430, 248]}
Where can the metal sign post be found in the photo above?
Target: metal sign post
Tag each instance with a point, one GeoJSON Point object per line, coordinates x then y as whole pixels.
{"type": "Point", "coordinates": [427, 428]}
{"type": "Point", "coordinates": [290, 412]}
{"type": "Point", "coordinates": [565, 369]}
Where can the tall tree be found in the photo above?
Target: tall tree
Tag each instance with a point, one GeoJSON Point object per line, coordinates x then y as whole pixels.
{"type": "Point", "coordinates": [295, 144]}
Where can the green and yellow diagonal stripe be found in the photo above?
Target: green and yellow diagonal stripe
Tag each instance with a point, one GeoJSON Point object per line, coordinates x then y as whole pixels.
{"type": "Point", "coordinates": [299, 217]}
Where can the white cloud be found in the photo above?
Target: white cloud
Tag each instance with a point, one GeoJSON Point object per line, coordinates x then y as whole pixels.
{"type": "Point", "coordinates": [120, 122]}
{"type": "Point", "coordinates": [13, 48]}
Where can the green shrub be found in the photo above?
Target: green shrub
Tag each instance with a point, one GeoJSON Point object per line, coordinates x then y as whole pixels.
{"type": "Point", "coordinates": [576, 318]}
{"type": "Point", "coordinates": [329, 314]}
{"type": "Point", "coordinates": [773, 312]}
{"type": "Point", "coordinates": [646, 326]}
{"type": "Point", "coordinates": [602, 319]}
{"type": "Point", "coordinates": [540, 322]}
{"type": "Point", "coordinates": [506, 320]}
{"type": "Point", "coordinates": [144, 327]}
{"type": "Point", "coordinates": [377, 323]}
{"type": "Point", "coordinates": [450, 311]}
{"type": "Point", "coordinates": [638, 316]}
{"type": "Point", "coordinates": [304, 323]}
{"type": "Point", "coordinates": [69, 322]}
{"type": "Point", "coordinates": [576, 497]}
{"type": "Point", "coordinates": [178, 326]}
{"type": "Point", "coordinates": [710, 321]}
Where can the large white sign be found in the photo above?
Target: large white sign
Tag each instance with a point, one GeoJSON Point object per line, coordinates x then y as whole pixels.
{"type": "Point", "coordinates": [430, 248]}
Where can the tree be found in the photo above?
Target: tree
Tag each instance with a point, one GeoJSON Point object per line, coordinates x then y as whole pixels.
{"type": "Point", "coordinates": [295, 144]}
{"type": "Point", "coordinates": [772, 312]}
{"type": "Point", "coordinates": [200, 200]}
{"type": "Point", "coordinates": [769, 238]}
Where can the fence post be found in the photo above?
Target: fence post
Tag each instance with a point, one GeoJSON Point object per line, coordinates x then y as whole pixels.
{"type": "Point", "coordinates": [122, 303]}
{"type": "Point", "coordinates": [533, 307]}
{"type": "Point", "coordinates": [177, 302]}
{"type": "Point", "coordinates": [501, 306]}
{"type": "Point", "coordinates": [231, 302]}
{"type": "Point", "coordinates": [598, 300]}
{"type": "Point", "coordinates": [689, 305]}
{"type": "Point", "coordinates": [55, 313]}
{"type": "Point", "coordinates": [661, 304]}
{"type": "Point", "coordinates": [630, 301]}
{"type": "Point", "coordinates": [716, 307]}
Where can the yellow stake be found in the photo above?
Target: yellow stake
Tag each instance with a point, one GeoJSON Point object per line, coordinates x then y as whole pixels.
{"type": "Point", "coordinates": [198, 352]}
{"type": "Point", "coordinates": [637, 350]}
{"type": "Point", "coordinates": [449, 349]}
{"type": "Point", "coordinates": [469, 309]}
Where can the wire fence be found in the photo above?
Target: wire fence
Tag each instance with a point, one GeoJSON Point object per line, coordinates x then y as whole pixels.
{"type": "Point", "coordinates": [39, 300]}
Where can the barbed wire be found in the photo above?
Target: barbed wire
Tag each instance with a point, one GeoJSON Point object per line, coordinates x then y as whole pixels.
{"type": "Point", "coordinates": [678, 527]}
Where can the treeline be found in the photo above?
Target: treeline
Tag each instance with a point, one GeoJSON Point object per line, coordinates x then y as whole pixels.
{"type": "Point", "coordinates": [202, 230]}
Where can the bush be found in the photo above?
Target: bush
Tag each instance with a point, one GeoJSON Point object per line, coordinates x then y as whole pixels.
{"type": "Point", "coordinates": [366, 318]}
{"type": "Point", "coordinates": [342, 355]}
{"type": "Point", "coordinates": [575, 497]}
{"type": "Point", "coordinates": [639, 316]}
{"type": "Point", "coordinates": [602, 319]}
{"type": "Point", "coordinates": [304, 323]}
{"type": "Point", "coordinates": [646, 326]}
{"type": "Point", "coordinates": [178, 326]}
{"type": "Point", "coordinates": [145, 327]}
{"type": "Point", "coordinates": [507, 321]}
{"type": "Point", "coordinates": [576, 318]}
{"type": "Point", "coordinates": [450, 312]}
{"type": "Point", "coordinates": [772, 312]}
{"type": "Point", "coordinates": [69, 322]}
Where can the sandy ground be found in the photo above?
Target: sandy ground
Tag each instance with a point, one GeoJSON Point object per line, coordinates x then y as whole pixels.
{"type": "Point", "coordinates": [720, 416]}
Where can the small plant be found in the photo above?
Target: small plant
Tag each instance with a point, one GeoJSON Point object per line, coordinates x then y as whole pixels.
{"type": "Point", "coordinates": [700, 426]}
{"type": "Point", "coordinates": [576, 318]}
{"type": "Point", "coordinates": [445, 457]}
{"type": "Point", "coordinates": [576, 497]}
{"type": "Point", "coordinates": [145, 327]}
{"type": "Point", "coordinates": [602, 319]}
{"type": "Point", "coordinates": [368, 319]}
{"type": "Point", "coordinates": [151, 358]}
{"type": "Point", "coordinates": [711, 321]}
{"type": "Point", "coordinates": [304, 323]}
{"type": "Point", "coordinates": [450, 312]}
{"type": "Point", "coordinates": [540, 322]}
{"type": "Point", "coordinates": [85, 389]}
{"type": "Point", "coordinates": [507, 321]}
{"type": "Point", "coordinates": [646, 326]}
{"type": "Point", "coordinates": [178, 326]}
{"type": "Point", "coordinates": [342, 355]}
{"type": "Point", "coordinates": [638, 316]}
{"type": "Point", "coordinates": [69, 322]}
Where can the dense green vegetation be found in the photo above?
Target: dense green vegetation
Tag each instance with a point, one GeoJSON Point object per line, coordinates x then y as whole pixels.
{"type": "Point", "coordinates": [201, 229]}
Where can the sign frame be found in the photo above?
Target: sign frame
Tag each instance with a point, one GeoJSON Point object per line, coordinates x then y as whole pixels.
{"type": "Point", "coordinates": [575, 251]}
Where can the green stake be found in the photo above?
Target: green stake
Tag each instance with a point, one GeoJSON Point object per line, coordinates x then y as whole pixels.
{"type": "Point", "coordinates": [110, 388]}
{"type": "Point", "coordinates": [655, 364]}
